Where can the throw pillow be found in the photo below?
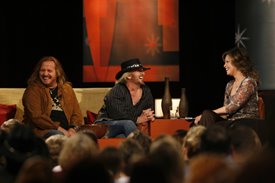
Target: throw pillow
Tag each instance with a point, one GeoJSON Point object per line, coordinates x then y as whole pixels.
{"type": "Point", "coordinates": [91, 117]}
{"type": "Point", "coordinates": [7, 112]}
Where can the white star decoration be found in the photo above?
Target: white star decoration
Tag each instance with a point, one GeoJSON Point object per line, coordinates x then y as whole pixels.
{"type": "Point", "coordinates": [268, 1]}
{"type": "Point", "coordinates": [239, 37]}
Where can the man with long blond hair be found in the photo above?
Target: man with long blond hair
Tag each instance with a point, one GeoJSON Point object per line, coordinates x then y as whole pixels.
{"type": "Point", "coordinates": [129, 103]}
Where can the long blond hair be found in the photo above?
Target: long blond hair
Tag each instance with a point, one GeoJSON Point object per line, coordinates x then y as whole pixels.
{"type": "Point", "coordinates": [123, 78]}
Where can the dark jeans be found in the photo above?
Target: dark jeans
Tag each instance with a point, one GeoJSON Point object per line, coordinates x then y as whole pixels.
{"type": "Point", "coordinates": [119, 128]}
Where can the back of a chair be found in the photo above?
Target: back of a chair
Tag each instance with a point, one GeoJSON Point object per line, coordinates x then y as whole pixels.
{"type": "Point", "coordinates": [261, 107]}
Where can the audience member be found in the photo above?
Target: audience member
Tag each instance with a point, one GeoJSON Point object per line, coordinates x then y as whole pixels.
{"type": "Point", "coordinates": [241, 93]}
{"type": "Point", "coordinates": [146, 171]}
{"type": "Point", "coordinates": [131, 152]}
{"type": "Point", "coordinates": [88, 170]}
{"type": "Point", "coordinates": [90, 134]}
{"type": "Point", "coordinates": [244, 144]}
{"type": "Point", "coordinates": [112, 160]}
{"type": "Point", "coordinates": [166, 153]}
{"type": "Point", "coordinates": [3, 135]}
{"type": "Point", "coordinates": [192, 142]}
{"type": "Point", "coordinates": [19, 145]}
{"type": "Point", "coordinates": [129, 103]}
{"type": "Point", "coordinates": [35, 170]}
{"type": "Point", "coordinates": [5, 176]}
{"type": "Point", "coordinates": [210, 168]}
{"type": "Point", "coordinates": [259, 168]}
{"type": "Point", "coordinates": [144, 140]}
{"type": "Point", "coordinates": [163, 164]}
{"type": "Point", "coordinates": [50, 104]}
{"type": "Point", "coordinates": [55, 144]}
{"type": "Point", "coordinates": [75, 149]}
{"type": "Point", "coordinates": [179, 135]}
{"type": "Point", "coordinates": [9, 124]}
{"type": "Point", "coordinates": [215, 140]}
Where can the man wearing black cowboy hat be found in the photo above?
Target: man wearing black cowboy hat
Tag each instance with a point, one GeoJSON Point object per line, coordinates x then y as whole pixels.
{"type": "Point", "coordinates": [129, 103]}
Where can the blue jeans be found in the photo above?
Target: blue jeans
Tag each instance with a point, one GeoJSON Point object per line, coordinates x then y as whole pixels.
{"type": "Point", "coordinates": [119, 128]}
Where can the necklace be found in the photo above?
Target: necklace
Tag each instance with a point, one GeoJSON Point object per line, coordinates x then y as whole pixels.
{"type": "Point", "coordinates": [54, 95]}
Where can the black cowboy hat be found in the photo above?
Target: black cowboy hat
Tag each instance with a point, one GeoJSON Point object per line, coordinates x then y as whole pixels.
{"type": "Point", "coordinates": [130, 65]}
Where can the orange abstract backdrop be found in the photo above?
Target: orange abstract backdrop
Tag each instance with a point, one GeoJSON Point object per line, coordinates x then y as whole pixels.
{"type": "Point", "coordinates": [117, 30]}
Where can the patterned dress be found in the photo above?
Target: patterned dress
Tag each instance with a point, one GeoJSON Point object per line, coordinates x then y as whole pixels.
{"type": "Point", "coordinates": [244, 103]}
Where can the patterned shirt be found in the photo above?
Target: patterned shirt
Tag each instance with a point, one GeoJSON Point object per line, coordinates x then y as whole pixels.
{"type": "Point", "coordinates": [118, 104]}
{"type": "Point", "coordinates": [57, 113]}
{"type": "Point", "coordinates": [244, 103]}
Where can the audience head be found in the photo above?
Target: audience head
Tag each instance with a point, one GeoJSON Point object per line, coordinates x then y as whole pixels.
{"type": "Point", "coordinates": [88, 170]}
{"type": "Point", "coordinates": [179, 135]}
{"type": "Point", "coordinates": [4, 176]}
{"type": "Point", "coordinates": [55, 144]}
{"type": "Point", "coordinates": [111, 158]}
{"type": "Point", "coordinates": [147, 171]}
{"type": "Point", "coordinates": [144, 140]}
{"type": "Point", "coordinates": [210, 168]}
{"type": "Point", "coordinates": [90, 134]}
{"type": "Point", "coordinates": [34, 170]}
{"type": "Point", "coordinates": [192, 141]}
{"type": "Point", "coordinates": [76, 148]}
{"type": "Point", "coordinates": [9, 124]}
{"type": "Point", "coordinates": [215, 139]}
{"type": "Point", "coordinates": [259, 168]}
{"type": "Point", "coordinates": [244, 143]}
{"type": "Point", "coordinates": [131, 152]}
{"type": "Point", "coordinates": [19, 145]}
{"type": "Point", "coordinates": [166, 153]}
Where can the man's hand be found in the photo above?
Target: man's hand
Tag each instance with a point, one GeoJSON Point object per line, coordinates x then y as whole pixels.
{"type": "Point", "coordinates": [65, 132]}
{"type": "Point", "coordinates": [71, 131]}
{"type": "Point", "coordinates": [146, 115]}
